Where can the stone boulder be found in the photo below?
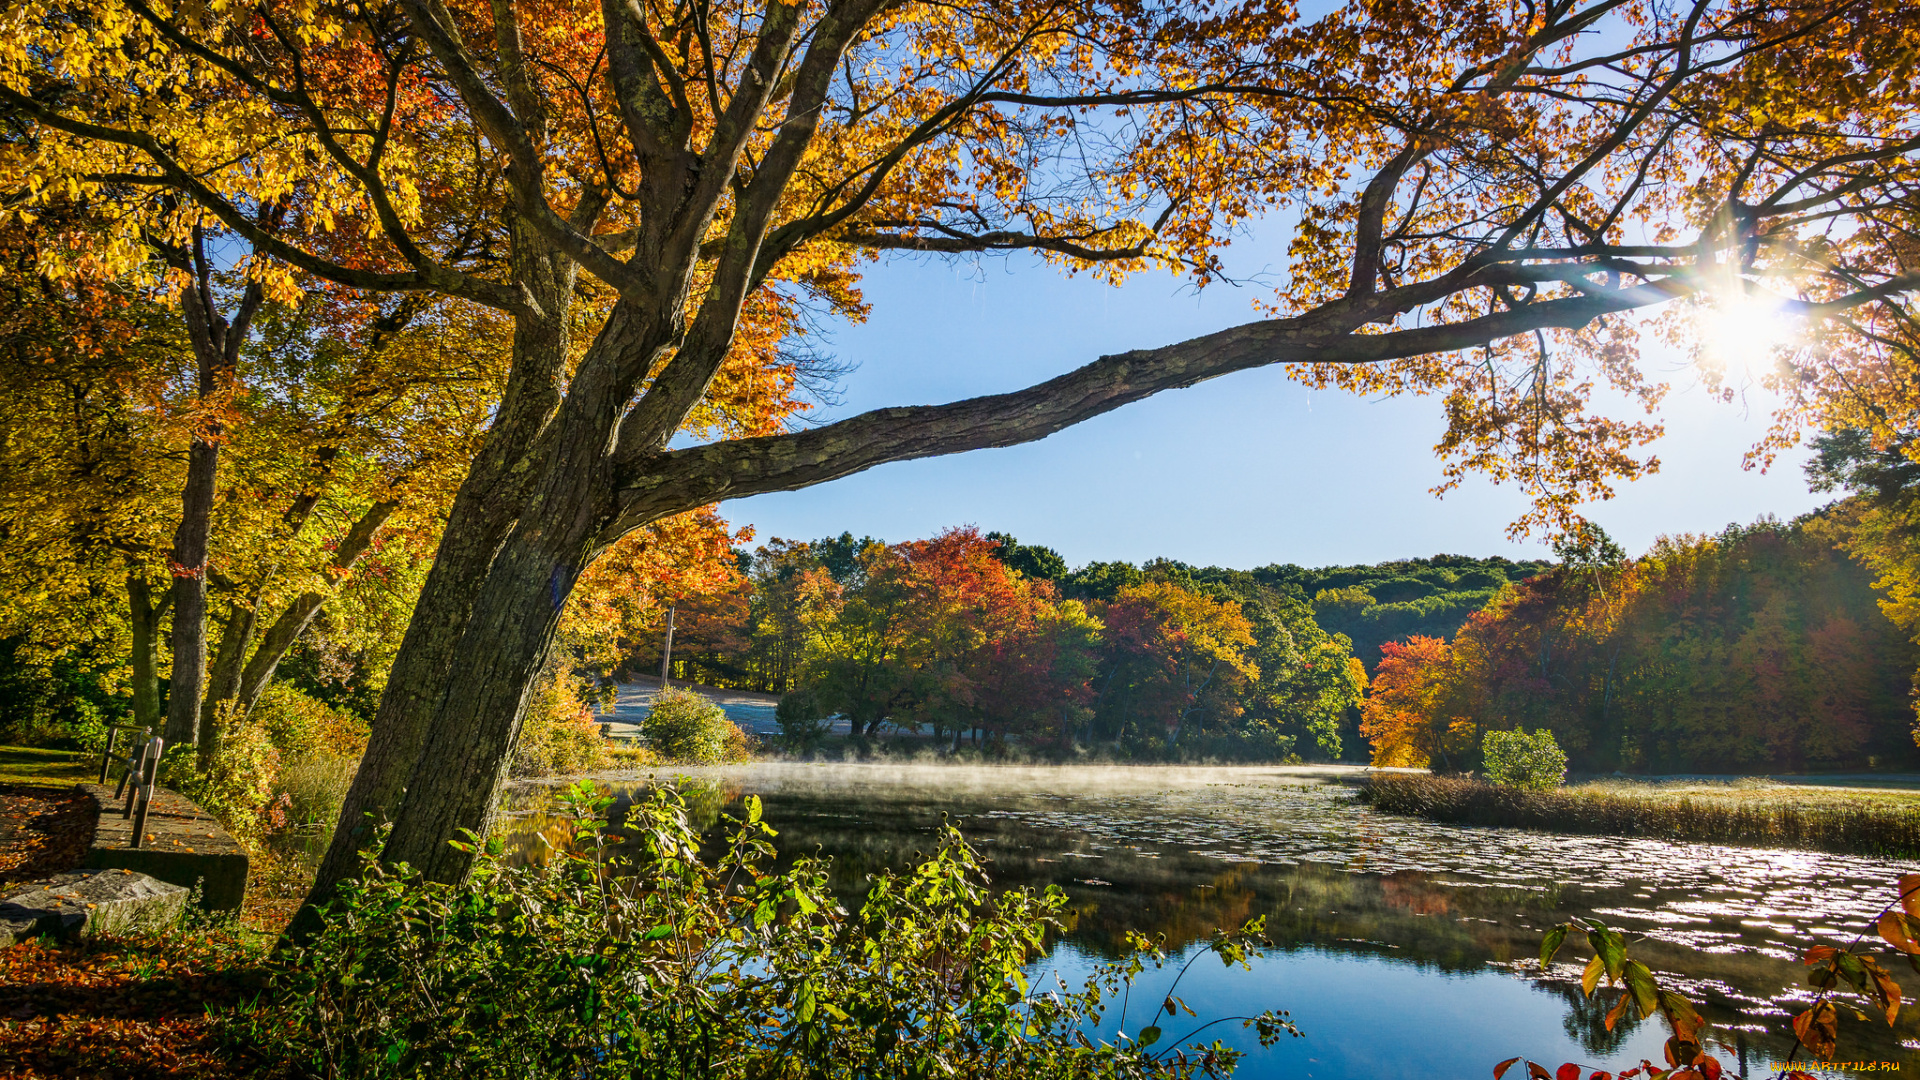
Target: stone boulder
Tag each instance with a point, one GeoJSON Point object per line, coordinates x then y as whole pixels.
{"type": "Point", "coordinates": [83, 903]}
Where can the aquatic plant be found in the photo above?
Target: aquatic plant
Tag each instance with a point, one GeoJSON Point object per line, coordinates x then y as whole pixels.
{"type": "Point", "coordinates": [664, 964]}
{"type": "Point", "coordinates": [1864, 827]}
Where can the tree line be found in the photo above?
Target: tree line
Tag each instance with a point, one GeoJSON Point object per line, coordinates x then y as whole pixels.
{"type": "Point", "coordinates": [983, 635]}
{"type": "Point", "coordinates": [1761, 649]}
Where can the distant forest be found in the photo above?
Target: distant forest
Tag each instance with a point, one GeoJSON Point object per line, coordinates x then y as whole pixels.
{"type": "Point", "coordinates": [1167, 658]}
{"type": "Point", "coordinates": [1765, 648]}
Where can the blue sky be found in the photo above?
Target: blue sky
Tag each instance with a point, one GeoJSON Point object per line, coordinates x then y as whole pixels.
{"type": "Point", "coordinates": [1241, 471]}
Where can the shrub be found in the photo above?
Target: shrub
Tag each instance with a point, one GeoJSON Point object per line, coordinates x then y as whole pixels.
{"type": "Point", "coordinates": [237, 787]}
{"type": "Point", "coordinates": [560, 733]}
{"type": "Point", "coordinates": [684, 726]}
{"type": "Point", "coordinates": [803, 720]}
{"type": "Point", "coordinates": [667, 965]}
{"type": "Point", "coordinates": [302, 726]}
{"type": "Point", "coordinates": [1517, 759]}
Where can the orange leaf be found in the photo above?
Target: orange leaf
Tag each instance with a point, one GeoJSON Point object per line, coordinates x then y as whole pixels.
{"type": "Point", "coordinates": [1818, 1029]}
{"type": "Point", "coordinates": [1619, 1007]}
{"type": "Point", "coordinates": [1910, 894]}
{"type": "Point", "coordinates": [1500, 1070]}
{"type": "Point", "coordinates": [1893, 927]}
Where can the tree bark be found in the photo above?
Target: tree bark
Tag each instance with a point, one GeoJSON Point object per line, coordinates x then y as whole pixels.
{"type": "Point", "coordinates": [145, 623]}
{"type": "Point", "coordinates": [189, 559]}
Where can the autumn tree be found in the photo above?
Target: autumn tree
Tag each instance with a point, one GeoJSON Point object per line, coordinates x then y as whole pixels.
{"type": "Point", "coordinates": [83, 464]}
{"type": "Point", "coordinates": [1480, 190]}
{"type": "Point", "coordinates": [1757, 649]}
{"type": "Point", "coordinates": [1411, 713]}
{"type": "Point", "coordinates": [1175, 660]}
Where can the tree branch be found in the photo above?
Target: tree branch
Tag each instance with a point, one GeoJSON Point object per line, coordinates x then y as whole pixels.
{"type": "Point", "coordinates": [670, 482]}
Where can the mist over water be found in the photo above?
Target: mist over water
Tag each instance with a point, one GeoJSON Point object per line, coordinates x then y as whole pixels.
{"type": "Point", "coordinates": [1401, 945]}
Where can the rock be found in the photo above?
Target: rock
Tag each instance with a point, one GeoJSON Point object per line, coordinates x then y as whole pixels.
{"type": "Point", "coordinates": [84, 903]}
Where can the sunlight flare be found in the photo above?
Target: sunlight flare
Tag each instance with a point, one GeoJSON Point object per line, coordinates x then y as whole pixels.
{"type": "Point", "coordinates": [1740, 334]}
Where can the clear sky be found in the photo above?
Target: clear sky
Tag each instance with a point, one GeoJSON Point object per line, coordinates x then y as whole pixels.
{"type": "Point", "coordinates": [1240, 471]}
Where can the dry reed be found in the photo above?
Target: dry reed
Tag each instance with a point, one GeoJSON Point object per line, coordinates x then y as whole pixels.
{"type": "Point", "coordinates": [1866, 828]}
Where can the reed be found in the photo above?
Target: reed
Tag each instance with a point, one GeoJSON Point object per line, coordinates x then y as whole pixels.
{"type": "Point", "coordinates": [1859, 827]}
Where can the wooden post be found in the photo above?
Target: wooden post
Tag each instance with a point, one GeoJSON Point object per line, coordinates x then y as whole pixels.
{"type": "Point", "coordinates": [106, 756]}
{"type": "Point", "coordinates": [130, 783]}
{"type": "Point", "coordinates": [146, 789]}
{"type": "Point", "coordinates": [666, 651]}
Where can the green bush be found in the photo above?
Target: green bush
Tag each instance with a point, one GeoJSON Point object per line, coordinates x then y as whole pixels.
{"type": "Point", "coordinates": [666, 965]}
{"type": "Point", "coordinates": [237, 787]}
{"type": "Point", "coordinates": [302, 726]}
{"type": "Point", "coordinates": [803, 720]}
{"type": "Point", "coordinates": [684, 726]}
{"type": "Point", "coordinates": [1517, 759]}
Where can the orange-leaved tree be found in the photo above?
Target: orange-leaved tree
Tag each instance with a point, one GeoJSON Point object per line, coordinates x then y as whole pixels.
{"type": "Point", "coordinates": [1410, 714]}
{"type": "Point", "coordinates": [1480, 190]}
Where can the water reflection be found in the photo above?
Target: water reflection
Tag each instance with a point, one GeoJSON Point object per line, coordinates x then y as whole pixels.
{"type": "Point", "coordinates": [1356, 901]}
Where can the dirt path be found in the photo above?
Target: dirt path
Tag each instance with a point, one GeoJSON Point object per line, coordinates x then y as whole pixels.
{"type": "Point", "coordinates": [43, 831]}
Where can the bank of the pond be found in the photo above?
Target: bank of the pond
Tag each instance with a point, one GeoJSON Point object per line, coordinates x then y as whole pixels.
{"type": "Point", "coordinates": [1761, 813]}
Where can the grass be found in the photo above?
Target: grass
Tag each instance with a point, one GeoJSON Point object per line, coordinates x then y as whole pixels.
{"type": "Point", "coordinates": [25, 765]}
{"type": "Point", "coordinates": [1748, 812]}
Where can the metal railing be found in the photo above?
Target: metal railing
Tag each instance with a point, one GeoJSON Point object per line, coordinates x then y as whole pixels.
{"type": "Point", "coordinates": [143, 765]}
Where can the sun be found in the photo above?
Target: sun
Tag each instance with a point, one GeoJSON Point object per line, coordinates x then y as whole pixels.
{"type": "Point", "coordinates": [1740, 335]}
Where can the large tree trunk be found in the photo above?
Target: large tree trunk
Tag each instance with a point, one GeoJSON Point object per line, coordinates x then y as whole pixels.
{"type": "Point", "coordinates": [510, 623]}
{"type": "Point", "coordinates": [484, 510]}
{"type": "Point", "coordinates": [189, 558]}
{"type": "Point", "coordinates": [145, 622]}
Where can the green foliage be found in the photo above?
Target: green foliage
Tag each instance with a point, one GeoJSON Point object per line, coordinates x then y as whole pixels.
{"type": "Point", "coordinates": [238, 785]}
{"type": "Point", "coordinates": [661, 964]}
{"type": "Point", "coordinates": [684, 726]}
{"type": "Point", "coordinates": [301, 726]}
{"type": "Point", "coordinates": [1101, 580]}
{"type": "Point", "coordinates": [1393, 601]}
{"type": "Point", "coordinates": [803, 721]}
{"type": "Point", "coordinates": [63, 701]}
{"type": "Point", "coordinates": [1517, 759]}
{"type": "Point", "coordinates": [1031, 560]}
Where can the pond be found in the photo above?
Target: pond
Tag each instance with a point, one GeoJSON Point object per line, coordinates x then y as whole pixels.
{"type": "Point", "coordinates": [1400, 946]}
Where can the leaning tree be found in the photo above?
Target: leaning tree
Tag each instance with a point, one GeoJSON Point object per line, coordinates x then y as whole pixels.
{"type": "Point", "coordinates": [1481, 196]}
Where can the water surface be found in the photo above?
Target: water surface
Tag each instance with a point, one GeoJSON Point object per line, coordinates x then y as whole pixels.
{"type": "Point", "coordinates": [1401, 946]}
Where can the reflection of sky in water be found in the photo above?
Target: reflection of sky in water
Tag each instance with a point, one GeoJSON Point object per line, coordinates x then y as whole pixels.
{"type": "Point", "coordinates": [1365, 1016]}
{"type": "Point", "coordinates": [1393, 932]}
